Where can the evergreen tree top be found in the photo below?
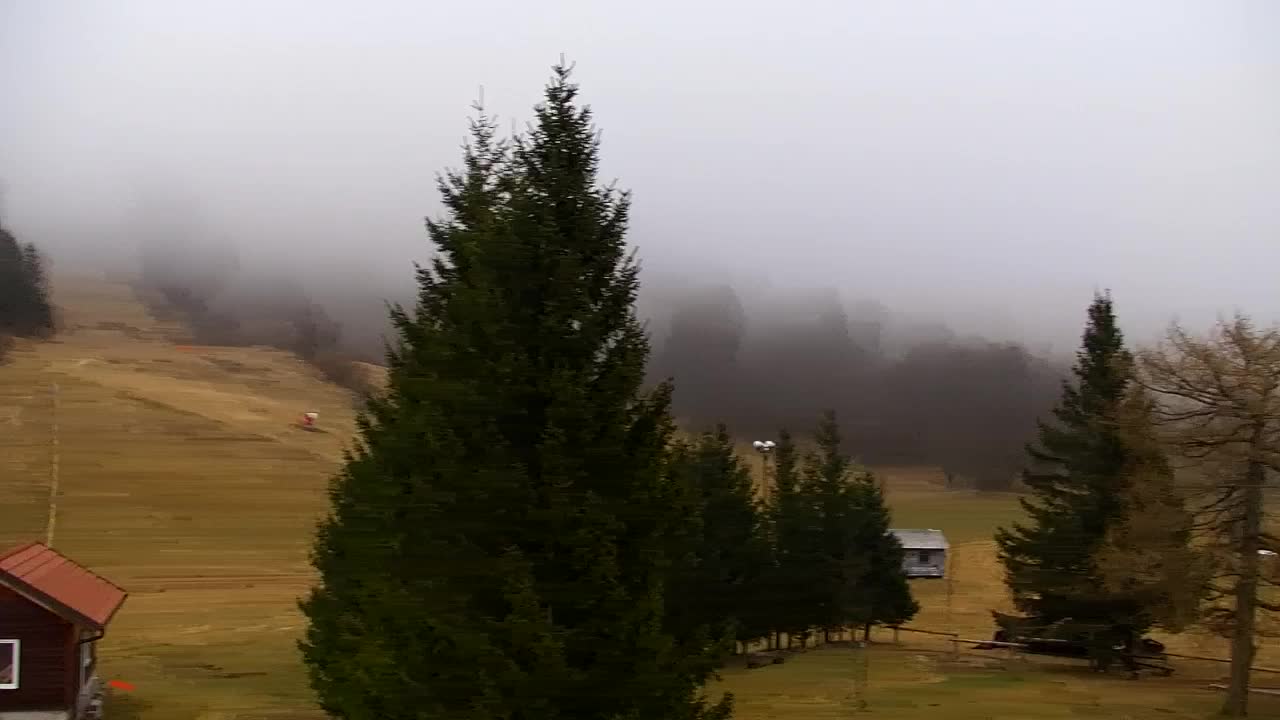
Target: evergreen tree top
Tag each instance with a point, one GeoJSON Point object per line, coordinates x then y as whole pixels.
{"type": "Point", "coordinates": [832, 465]}
{"type": "Point", "coordinates": [1103, 364]}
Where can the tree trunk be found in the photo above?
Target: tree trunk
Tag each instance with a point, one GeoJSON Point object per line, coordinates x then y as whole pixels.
{"type": "Point", "coordinates": [866, 633]}
{"type": "Point", "coordinates": [1242, 646]}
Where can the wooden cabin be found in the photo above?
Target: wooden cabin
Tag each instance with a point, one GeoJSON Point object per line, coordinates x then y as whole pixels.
{"type": "Point", "coordinates": [924, 552]}
{"type": "Point", "coordinates": [53, 612]}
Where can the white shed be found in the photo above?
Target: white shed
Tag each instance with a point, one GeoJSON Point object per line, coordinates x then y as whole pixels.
{"type": "Point", "coordinates": [924, 552]}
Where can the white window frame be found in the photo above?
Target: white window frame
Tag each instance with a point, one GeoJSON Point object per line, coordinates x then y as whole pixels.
{"type": "Point", "coordinates": [17, 656]}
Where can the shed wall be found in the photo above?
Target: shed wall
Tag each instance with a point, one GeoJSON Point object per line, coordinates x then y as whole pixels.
{"type": "Point", "coordinates": [934, 563]}
{"type": "Point", "coordinates": [45, 663]}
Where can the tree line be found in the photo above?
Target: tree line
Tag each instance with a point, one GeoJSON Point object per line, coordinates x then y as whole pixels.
{"type": "Point", "coordinates": [25, 308]}
{"type": "Point", "coordinates": [1147, 490]}
{"type": "Point", "coordinates": [908, 395]}
{"type": "Point", "coordinates": [188, 276]}
{"type": "Point", "coordinates": [966, 404]}
{"type": "Point", "coordinates": [521, 531]}
{"type": "Point", "coordinates": [810, 552]}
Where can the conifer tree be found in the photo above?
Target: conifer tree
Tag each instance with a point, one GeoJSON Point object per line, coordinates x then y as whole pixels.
{"type": "Point", "coordinates": [794, 582]}
{"type": "Point", "coordinates": [719, 583]}
{"type": "Point", "coordinates": [701, 354]}
{"type": "Point", "coordinates": [837, 563]}
{"type": "Point", "coordinates": [40, 311]}
{"type": "Point", "coordinates": [25, 310]}
{"type": "Point", "coordinates": [496, 546]}
{"type": "Point", "coordinates": [786, 468]}
{"type": "Point", "coordinates": [1081, 473]}
{"type": "Point", "coordinates": [883, 595]}
{"type": "Point", "coordinates": [859, 566]}
{"type": "Point", "coordinates": [13, 283]}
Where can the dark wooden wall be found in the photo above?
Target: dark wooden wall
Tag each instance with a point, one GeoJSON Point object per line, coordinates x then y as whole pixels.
{"type": "Point", "coordinates": [47, 644]}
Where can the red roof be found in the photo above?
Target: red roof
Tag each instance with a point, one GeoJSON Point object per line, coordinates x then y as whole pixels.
{"type": "Point", "coordinates": [46, 577]}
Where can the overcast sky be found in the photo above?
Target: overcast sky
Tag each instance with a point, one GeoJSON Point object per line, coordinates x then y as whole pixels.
{"type": "Point", "coordinates": [984, 160]}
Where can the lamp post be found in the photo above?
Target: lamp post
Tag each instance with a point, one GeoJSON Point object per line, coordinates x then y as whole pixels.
{"type": "Point", "coordinates": [765, 448]}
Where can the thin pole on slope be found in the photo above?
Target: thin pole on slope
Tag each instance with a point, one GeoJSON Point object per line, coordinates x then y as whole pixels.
{"type": "Point", "coordinates": [53, 468]}
{"type": "Point", "coordinates": [860, 660]}
{"type": "Point", "coordinates": [953, 554]}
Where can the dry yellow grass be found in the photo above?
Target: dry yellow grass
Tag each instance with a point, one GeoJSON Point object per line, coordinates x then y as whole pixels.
{"type": "Point", "coordinates": [183, 477]}
{"type": "Point", "coordinates": [924, 681]}
{"type": "Point", "coordinates": [374, 376]}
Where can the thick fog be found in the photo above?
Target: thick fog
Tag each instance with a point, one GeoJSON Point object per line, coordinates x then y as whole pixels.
{"type": "Point", "coordinates": [896, 209]}
{"type": "Point", "coordinates": [986, 164]}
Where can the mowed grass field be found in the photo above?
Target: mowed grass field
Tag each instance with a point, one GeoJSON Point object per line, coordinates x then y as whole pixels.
{"type": "Point", "coordinates": [182, 478]}
{"type": "Point", "coordinates": [181, 475]}
{"type": "Point", "coordinates": [920, 678]}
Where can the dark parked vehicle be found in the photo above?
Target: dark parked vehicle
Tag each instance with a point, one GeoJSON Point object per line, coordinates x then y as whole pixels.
{"type": "Point", "coordinates": [1102, 645]}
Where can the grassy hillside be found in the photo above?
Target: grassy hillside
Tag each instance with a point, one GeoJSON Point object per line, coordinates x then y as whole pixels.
{"type": "Point", "coordinates": [180, 474]}
{"type": "Point", "coordinates": [182, 477]}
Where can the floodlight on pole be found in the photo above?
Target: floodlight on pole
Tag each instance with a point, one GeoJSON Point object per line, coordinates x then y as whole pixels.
{"type": "Point", "coordinates": [765, 448]}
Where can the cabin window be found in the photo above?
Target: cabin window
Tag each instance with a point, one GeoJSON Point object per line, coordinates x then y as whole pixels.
{"type": "Point", "coordinates": [924, 556]}
{"type": "Point", "coordinates": [9, 652]}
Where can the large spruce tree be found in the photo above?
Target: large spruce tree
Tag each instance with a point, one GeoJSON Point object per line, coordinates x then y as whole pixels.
{"type": "Point", "coordinates": [496, 546]}
{"type": "Point", "coordinates": [1080, 475]}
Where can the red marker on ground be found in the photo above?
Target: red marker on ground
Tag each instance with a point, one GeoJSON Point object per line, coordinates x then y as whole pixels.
{"type": "Point", "coordinates": [121, 685]}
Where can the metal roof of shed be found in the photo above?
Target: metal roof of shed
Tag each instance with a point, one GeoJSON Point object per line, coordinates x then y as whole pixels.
{"type": "Point", "coordinates": [922, 539]}
{"type": "Point", "coordinates": [46, 577]}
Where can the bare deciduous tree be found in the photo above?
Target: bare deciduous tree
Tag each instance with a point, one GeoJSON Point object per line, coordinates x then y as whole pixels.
{"type": "Point", "coordinates": [1149, 555]}
{"type": "Point", "coordinates": [1220, 411]}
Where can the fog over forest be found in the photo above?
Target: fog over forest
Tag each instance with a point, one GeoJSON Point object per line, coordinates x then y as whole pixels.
{"type": "Point", "coordinates": [898, 209]}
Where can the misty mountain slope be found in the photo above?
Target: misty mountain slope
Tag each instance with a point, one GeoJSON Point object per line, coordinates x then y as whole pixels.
{"type": "Point", "coordinates": [180, 475]}
{"type": "Point", "coordinates": [111, 341]}
{"type": "Point", "coordinates": [372, 375]}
